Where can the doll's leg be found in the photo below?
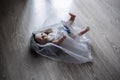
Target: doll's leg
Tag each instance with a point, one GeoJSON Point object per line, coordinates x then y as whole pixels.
{"type": "Point", "coordinates": [80, 33]}
{"type": "Point", "coordinates": [72, 18]}
{"type": "Point", "coordinates": [70, 21]}
{"type": "Point", "coordinates": [84, 31]}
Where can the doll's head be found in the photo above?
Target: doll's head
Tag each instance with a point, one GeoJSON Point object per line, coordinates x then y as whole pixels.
{"type": "Point", "coordinates": [41, 38]}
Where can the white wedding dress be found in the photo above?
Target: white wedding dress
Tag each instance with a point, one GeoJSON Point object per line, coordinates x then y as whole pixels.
{"type": "Point", "coordinates": [77, 46]}
{"type": "Point", "coordinates": [74, 50]}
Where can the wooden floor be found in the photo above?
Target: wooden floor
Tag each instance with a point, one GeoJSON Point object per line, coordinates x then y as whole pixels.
{"type": "Point", "coordinates": [19, 18]}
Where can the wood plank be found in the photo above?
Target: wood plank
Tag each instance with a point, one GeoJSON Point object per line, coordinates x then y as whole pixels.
{"type": "Point", "coordinates": [19, 18]}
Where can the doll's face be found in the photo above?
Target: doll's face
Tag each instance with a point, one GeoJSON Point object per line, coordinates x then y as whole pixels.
{"type": "Point", "coordinates": [42, 38]}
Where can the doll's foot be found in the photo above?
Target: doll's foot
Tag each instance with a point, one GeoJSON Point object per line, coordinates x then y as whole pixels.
{"type": "Point", "coordinates": [72, 15]}
{"type": "Point", "coordinates": [72, 18]}
{"type": "Point", "coordinates": [87, 28]}
{"type": "Point", "coordinates": [84, 31]}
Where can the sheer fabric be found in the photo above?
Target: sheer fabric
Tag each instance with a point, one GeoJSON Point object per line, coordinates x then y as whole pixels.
{"type": "Point", "coordinates": [72, 50]}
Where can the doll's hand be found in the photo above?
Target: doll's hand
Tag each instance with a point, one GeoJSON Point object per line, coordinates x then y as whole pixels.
{"type": "Point", "coordinates": [59, 41]}
{"type": "Point", "coordinates": [64, 36]}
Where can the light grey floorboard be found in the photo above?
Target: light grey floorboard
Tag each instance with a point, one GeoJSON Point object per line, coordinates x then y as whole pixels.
{"type": "Point", "coordinates": [19, 18]}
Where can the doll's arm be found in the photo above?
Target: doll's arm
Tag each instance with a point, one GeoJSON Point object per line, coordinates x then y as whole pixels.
{"type": "Point", "coordinates": [59, 41]}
